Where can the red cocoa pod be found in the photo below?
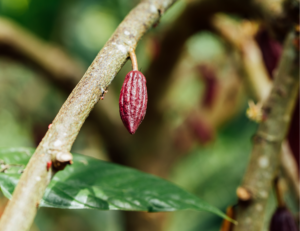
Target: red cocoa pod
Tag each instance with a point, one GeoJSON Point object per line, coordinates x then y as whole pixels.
{"type": "Point", "coordinates": [133, 100]}
{"type": "Point", "coordinates": [282, 220]}
{"type": "Point", "coordinates": [211, 85]}
{"type": "Point", "coordinates": [270, 49]}
{"type": "Point", "coordinates": [200, 129]}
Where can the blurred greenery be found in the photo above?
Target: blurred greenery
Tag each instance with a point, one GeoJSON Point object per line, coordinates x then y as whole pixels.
{"type": "Point", "coordinates": [23, 109]}
{"type": "Point", "coordinates": [210, 172]}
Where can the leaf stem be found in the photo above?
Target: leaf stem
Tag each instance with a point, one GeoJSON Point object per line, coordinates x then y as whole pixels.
{"type": "Point", "coordinates": [278, 191]}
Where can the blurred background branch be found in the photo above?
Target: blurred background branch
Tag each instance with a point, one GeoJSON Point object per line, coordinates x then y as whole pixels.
{"type": "Point", "coordinates": [242, 37]}
{"type": "Point", "coordinates": [265, 156]}
{"type": "Point", "coordinates": [58, 66]}
{"type": "Point", "coordinates": [50, 58]}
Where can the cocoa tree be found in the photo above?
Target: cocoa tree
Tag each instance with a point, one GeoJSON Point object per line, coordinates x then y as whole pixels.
{"type": "Point", "coordinates": [49, 164]}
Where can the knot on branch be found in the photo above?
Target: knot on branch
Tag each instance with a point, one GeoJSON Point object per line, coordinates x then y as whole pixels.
{"type": "Point", "coordinates": [269, 138]}
{"type": "Point", "coordinates": [62, 159]}
{"type": "Point", "coordinates": [243, 194]}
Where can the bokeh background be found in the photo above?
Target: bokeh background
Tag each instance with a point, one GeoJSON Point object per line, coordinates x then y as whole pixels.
{"type": "Point", "coordinates": [197, 134]}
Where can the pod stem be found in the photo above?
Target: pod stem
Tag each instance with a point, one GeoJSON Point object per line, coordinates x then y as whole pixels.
{"type": "Point", "coordinates": [133, 60]}
{"type": "Point", "coordinates": [279, 193]}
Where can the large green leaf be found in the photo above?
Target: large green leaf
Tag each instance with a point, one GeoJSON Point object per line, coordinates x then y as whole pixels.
{"type": "Point", "coordinates": [94, 184]}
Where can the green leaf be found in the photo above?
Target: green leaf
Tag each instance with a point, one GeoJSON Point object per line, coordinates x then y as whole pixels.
{"type": "Point", "coordinates": [94, 184]}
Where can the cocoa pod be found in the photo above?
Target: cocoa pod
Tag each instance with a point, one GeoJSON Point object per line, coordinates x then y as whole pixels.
{"type": "Point", "coordinates": [133, 100]}
{"type": "Point", "coordinates": [270, 49]}
{"type": "Point", "coordinates": [210, 79]}
{"type": "Point", "coordinates": [201, 130]}
{"type": "Point", "coordinates": [282, 220]}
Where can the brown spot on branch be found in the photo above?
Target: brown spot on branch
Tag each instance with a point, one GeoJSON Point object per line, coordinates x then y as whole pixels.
{"type": "Point", "coordinates": [243, 194]}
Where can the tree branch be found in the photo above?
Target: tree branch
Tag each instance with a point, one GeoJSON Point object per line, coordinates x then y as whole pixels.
{"type": "Point", "coordinates": [242, 39]}
{"type": "Point", "coordinates": [21, 210]}
{"type": "Point", "coordinates": [265, 155]}
{"type": "Point", "coordinates": [51, 58]}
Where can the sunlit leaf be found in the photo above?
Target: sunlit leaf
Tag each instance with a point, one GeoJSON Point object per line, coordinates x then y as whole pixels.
{"type": "Point", "coordinates": [94, 184]}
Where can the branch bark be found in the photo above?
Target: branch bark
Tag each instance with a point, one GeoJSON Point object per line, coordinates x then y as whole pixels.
{"type": "Point", "coordinates": [241, 37]}
{"type": "Point", "coordinates": [21, 210]}
{"type": "Point", "coordinates": [243, 40]}
{"type": "Point", "coordinates": [265, 155]}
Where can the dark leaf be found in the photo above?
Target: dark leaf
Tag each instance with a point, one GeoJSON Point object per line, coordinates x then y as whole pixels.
{"type": "Point", "coordinates": [282, 220]}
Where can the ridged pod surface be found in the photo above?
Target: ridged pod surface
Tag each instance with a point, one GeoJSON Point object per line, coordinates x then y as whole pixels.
{"type": "Point", "coordinates": [133, 100]}
{"type": "Point", "coordinates": [282, 220]}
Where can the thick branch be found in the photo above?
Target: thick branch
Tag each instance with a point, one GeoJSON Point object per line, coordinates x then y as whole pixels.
{"type": "Point", "coordinates": [20, 212]}
{"type": "Point", "coordinates": [265, 155]}
{"type": "Point", "coordinates": [241, 37]}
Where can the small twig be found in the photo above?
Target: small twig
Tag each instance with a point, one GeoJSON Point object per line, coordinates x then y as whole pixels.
{"type": "Point", "coordinates": [133, 60]}
{"type": "Point", "coordinates": [265, 156]}
{"type": "Point", "coordinates": [51, 58]}
{"type": "Point", "coordinates": [278, 191]}
{"type": "Point", "coordinates": [4, 166]}
{"type": "Point", "coordinates": [62, 159]}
